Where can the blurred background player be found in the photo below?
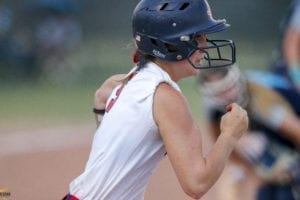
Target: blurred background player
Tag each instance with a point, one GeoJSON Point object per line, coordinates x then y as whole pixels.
{"type": "Point", "coordinates": [270, 149]}
{"type": "Point", "coordinates": [288, 60]}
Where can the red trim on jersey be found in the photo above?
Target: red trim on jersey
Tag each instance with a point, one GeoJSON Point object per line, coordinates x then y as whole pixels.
{"type": "Point", "coordinates": [112, 101]}
{"type": "Point", "coordinates": [118, 92]}
{"type": "Point", "coordinates": [70, 197]}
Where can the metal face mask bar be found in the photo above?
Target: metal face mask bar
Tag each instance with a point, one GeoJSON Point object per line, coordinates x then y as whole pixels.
{"type": "Point", "coordinates": [218, 53]}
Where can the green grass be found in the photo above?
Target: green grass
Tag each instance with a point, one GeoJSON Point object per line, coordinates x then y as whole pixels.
{"type": "Point", "coordinates": [45, 104]}
{"type": "Point", "coordinates": [59, 103]}
{"type": "Point", "coordinates": [189, 89]}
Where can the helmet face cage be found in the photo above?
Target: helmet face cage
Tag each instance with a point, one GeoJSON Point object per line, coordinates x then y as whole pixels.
{"type": "Point", "coordinates": [218, 53]}
{"type": "Point", "coordinates": [166, 29]}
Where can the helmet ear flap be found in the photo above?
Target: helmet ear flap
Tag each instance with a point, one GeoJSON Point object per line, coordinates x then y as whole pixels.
{"type": "Point", "coordinates": [171, 48]}
{"type": "Point", "coordinates": [158, 44]}
{"type": "Point", "coordinates": [159, 48]}
{"type": "Point", "coordinates": [166, 47]}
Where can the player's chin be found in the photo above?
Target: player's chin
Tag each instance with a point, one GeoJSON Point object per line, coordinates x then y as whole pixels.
{"type": "Point", "coordinates": [194, 72]}
{"type": "Point", "coordinates": [196, 69]}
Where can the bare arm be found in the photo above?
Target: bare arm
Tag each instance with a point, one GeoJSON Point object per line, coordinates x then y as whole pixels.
{"type": "Point", "coordinates": [182, 140]}
{"type": "Point", "coordinates": [104, 91]}
{"type": "Point", "coordinates": [102, 94]}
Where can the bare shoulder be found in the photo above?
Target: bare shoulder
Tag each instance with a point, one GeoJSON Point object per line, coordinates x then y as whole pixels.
{"type": "Point", "coordinates": [104, 91]}
{"type": "Point", "coordinates": [114, 80]}
{"type": "Point", "coordinates": [169, 104]}
{"type": "Point", "coordinates": [166, 88]}
{"type": "Point", "coordinates": [110, 83]}
{"type": "Point", "coordinates": [166, 94]}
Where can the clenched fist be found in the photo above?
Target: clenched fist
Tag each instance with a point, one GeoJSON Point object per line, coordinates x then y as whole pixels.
{"type": "Point", "coordinates": [235, 122]}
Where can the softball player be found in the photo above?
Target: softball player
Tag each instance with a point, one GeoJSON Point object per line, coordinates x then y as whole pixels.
{"type": "Point", "coordinates": [147, 117]}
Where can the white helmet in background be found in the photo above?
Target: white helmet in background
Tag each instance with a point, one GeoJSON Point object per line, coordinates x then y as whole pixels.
{"type": "Point", "coordinates": [222, 86]}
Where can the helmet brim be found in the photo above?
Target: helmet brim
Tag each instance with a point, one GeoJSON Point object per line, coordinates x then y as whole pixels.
{"type": "Point", "coordinates": [216, 26]}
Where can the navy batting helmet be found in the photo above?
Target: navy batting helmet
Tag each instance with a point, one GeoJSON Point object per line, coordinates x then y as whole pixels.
{"type": "Point", "coordinates": [167, 29]}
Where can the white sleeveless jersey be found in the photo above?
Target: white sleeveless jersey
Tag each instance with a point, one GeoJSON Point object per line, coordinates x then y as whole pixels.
{"type": "Point", "coordinates": [127, 146]}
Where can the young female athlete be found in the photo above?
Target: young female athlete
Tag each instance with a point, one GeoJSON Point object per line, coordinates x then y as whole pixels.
{"type": "Point", "coordinates": [147, 117]}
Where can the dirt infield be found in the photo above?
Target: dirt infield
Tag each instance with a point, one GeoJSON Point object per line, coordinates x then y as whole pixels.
{"type": "Point", "coordinates": [39, 164]}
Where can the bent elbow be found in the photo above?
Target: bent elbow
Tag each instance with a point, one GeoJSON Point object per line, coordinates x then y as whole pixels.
{"type": "Point", "coordinates": [195, 193]}
{"type": "Point", "coordinates": [198, 187]}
